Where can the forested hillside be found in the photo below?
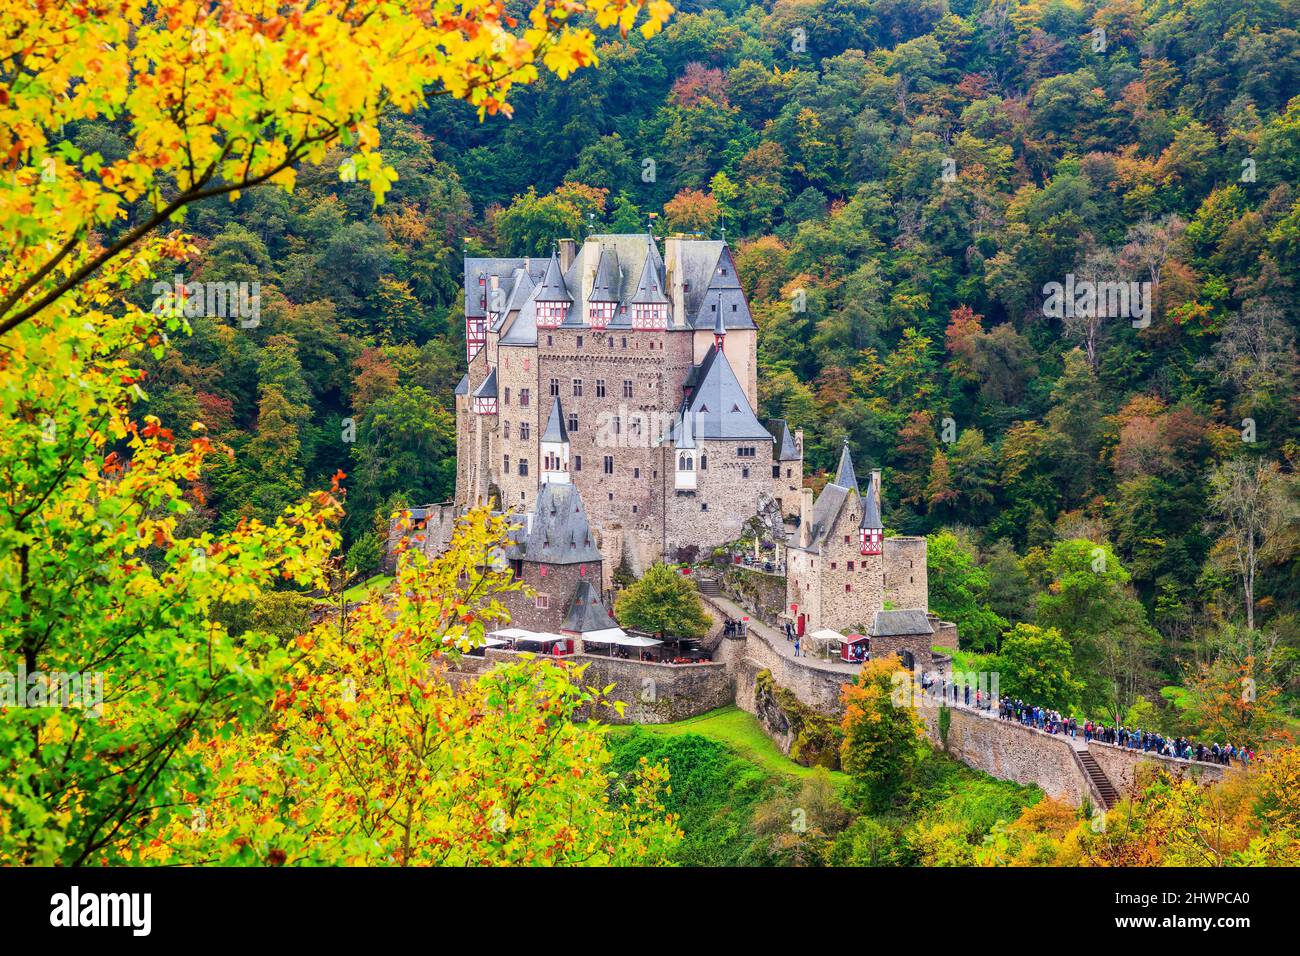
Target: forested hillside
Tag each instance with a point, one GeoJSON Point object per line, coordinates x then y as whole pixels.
{"type": "Point", "coordinates": [899, 179]}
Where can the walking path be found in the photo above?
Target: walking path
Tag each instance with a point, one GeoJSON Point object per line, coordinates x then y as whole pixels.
{"type": "Point", "coordinates": [776, 640]}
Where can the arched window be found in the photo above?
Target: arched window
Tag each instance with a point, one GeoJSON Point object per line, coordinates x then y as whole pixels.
{"type": "Point", "coordinates": [685, 462]}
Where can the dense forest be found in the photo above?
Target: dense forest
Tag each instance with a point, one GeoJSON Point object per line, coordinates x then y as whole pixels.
{"type": "Point", "coordinates": [899, 179]}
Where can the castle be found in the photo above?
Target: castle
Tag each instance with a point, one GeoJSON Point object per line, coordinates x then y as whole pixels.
{"type": "Point", "coordinates": [631, 377]}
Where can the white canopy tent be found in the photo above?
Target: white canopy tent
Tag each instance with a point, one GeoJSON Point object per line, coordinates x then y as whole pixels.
{"type": "Point", "coordinates": [826, 640]}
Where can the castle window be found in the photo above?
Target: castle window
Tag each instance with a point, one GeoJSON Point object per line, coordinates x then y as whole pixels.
{"type": "Point", "coordinates": [579, 341]}
{"type": "Point", "coordinates": [634, 509]}
{"type": "Point", "coordinates": [525, 431]}
{"type": "Point", "coordinates": [618, 425]}
{"type": "Point", "coordinates": [733, 307]}
{"type": "Point", "coordinates": [577, 388]}
{"type": "Point", "coordinates": [776, 471]}
{"type": "Point", "coordinates": [523, 468]}
{"type": "Point", "coordinates": [625, 341]}
{"type": "Point", "coordinates": [555, 387]}
{"type": "Point", "coordinates": [524, 398]}
{"type": "Point", "coordinates": [704, 506]}
{"type": "Point", "coordinates": [627, 388]}
{"type": "Point", "coordinates": [507, 396]}
{"type": "Point", "coordinates": [685, 462]}
{"type": "Point", "coordinates": [789, 472]}
{"type": "Point", "coordinates": [506, 426]}
{"type": "Point", "coordinates": [542, 602]}
{"type": "Point", "coordinates": [517, 568]}
{"type": "Point", "coordinates": [744, 473]}
{"type": "Point", "coordinates": [609, 466]}
{"type": "Point", "coordinates": [848, 588]}
{"type": "Point", "coordinates": [551, 314]}
{"type": "Point", "coordinates": [577, 463]}
{"type": "Point", "coordinates": [573, 421]}
{"type": "Point", "coordinates": [636, 472]}
{"type": "Point", "coordinates": [832, 565]}
{"type": "Point", "coordinates": [634, 425]}
{"type": "Point", "coordinates": [846, 539]}
{"type": "Point", "coordinates": [745, 451]}
{"type": "Point", "coordinates": [704, 462]}
{"type": "Point", "coordinates": [850, 565]}
{"type": "Point", "coordinates": [600, 388]}
{"type": "Point", "coordinates": [507, 465]}
{"type": "Point", "coordinates": [552, 461]}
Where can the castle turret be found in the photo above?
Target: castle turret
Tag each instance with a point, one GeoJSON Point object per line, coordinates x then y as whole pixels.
{"type": "Point", "coordinates": [554, 447]}
{"type": "Point", "coordinates": [649, 304]}
{"type": "Point", "coordinates": [552, 297]}
{"type": "Point", "coordinates": [871, 533]}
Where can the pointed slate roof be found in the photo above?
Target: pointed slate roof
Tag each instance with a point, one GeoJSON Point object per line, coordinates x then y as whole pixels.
{"type": "Point", "coordinates": [555, 430]}
{"type": "Point", "coordinates": [463, 387]}
{"type": "Point", "coordinates": [785, 447]}
{"type": "Point", "coordinates": [558, 532]}
{"type": "Point", "coordinates": [845, 477]}
{"type": "Point", "coordinates": [553, 288]}
{"type": "Point", "coordinates": [718, 405]}
{"type": "Point", "coordinates": [719, 324]}
{"type": "Point", "coordinates": [649, 288]}
{"type": "Point", "coordinates": [830, 503]}
{"type": "Point", "coordinates": [587, 613]}
{"type": "Point", "coordinates": [871, 507]}
{"type": "Point", "coordinates": [488, 389]}
{"type": "Point", "coordinates": [604, 288]}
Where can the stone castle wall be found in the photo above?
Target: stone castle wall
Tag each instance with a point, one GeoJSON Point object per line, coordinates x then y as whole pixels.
{"type": "Point", "coordinates": [725, 497]}
{"type": "Point", "coordinates": [1120, 765]}
{"type": "Point", "coordinates": [906, 582]}
{"type": "Point", "coordinates": [1010, 751]}
{"type": "Point", "coordinates": [652, 693]}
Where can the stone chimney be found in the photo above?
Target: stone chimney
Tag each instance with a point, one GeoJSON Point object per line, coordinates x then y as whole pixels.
{"type": "Point", "coordinates": [568, 249]}
{"type": "Point", "coordinates": [675, 280]}
{"type": "Point", "coordinates": [805, 517]}
{"type": "Point", "coordinates": [798, 442]}
{"type": "Point", "coordinates": [875, 486]}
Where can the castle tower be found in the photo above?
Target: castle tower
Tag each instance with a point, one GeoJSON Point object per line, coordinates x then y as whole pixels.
{"type": "Point", "coordinates": [554, 447]}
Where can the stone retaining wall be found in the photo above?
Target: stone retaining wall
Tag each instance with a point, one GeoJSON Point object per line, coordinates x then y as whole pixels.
{"type": "Point", "coordinates": [1120, 765]}
{"type": "Point", "coordinates": [1010, 751]}
{"type": "Point", "coordinates": [652, 693]}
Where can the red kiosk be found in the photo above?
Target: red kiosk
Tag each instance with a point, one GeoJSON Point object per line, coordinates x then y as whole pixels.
{"type": "Point", "coordinates": [856, 649]}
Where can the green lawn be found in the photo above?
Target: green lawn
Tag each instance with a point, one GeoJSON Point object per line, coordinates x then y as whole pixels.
{"type": "Point", "coordinates": [739, 731]}
{"type": "Point", "coordinates": [366, 588]}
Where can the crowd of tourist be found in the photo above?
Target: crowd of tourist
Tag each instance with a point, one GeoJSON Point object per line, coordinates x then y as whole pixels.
{"type": "Point", "coordinates": [1118, 735]}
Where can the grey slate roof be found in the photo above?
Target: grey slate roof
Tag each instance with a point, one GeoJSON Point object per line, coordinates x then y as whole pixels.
{"type": "Point", "coordinates": [463, 387]}
{"type": "Point", "coordinates": [555, 430]}
{"type": "Point", "coordinates": [503, 269]}
{"type": "Point", "coordinates": [899, 623]}
{"type": "Point", "coordinates": [845, 476]}
{"type": "Point", "coordinates": [628, 268]}
{"type": "Point", "coordinates": [718, 406]}
{"type": "Point", "coordinates": [650, 286]}
{"type": "Point", "coordinates": [523, 330]}
{"type": "Point", "coordinates": [558, 532]}
{"type": "Point", "coordinates": [488, 388]}
{"type": "Point", "coordinates": [785, 449]}
{"type": "Point", "coordinates": [587, 613]}
{"type": "Point", "coordinates": [829, 504]}
{"type": "Point", "coordinates": [871, 507]}
{"type": "Point", "coordinates": [553, 287]}
{"type": "Point", "coordinates": [604, 288]}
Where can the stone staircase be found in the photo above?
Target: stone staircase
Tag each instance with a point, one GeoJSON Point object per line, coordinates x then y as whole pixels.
{"type": "Point", "coordinates": [708, 585]}
{"type": "Point", "coordinates": [1100, 782]}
